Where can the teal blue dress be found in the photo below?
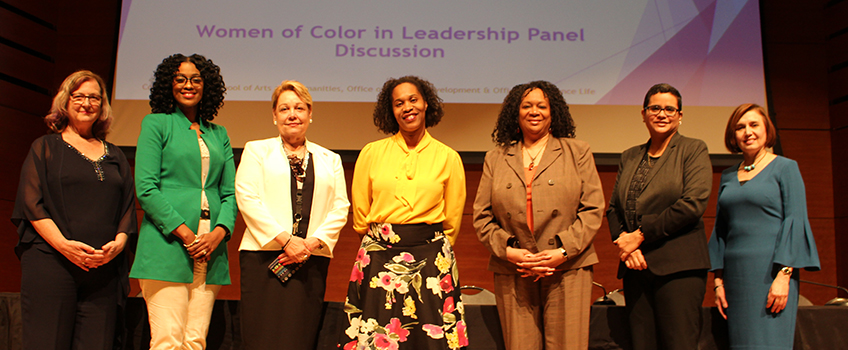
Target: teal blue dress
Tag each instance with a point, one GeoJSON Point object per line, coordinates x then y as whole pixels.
{"type": "Point", "coordinates": [761, 226]}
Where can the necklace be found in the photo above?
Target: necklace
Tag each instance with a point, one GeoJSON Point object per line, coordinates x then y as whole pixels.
{"type": "Point", "coordinates": [532, 157]}
{"type": "Point", "coordinates": [297, 164]}
{"type": "Point", "coordinates": [753, 166]}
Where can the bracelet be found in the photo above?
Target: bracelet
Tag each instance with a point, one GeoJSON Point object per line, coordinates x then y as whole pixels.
{"type": "Point", "coordinates": [196, 239]}
{"type": "Point", "coordinates": [716, 287]}
{"type": "Point", "coordinates": [288, 241]}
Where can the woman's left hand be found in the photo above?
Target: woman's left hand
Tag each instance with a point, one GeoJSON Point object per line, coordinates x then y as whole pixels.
{"type": "Point", "coordinates": [628, 242]}
{"type": "Point", "coordinates": [206, 244]}
{"type": "Point", "coordinates": [299, 249]}
{"type": "Point", "coordinates": [108, 252]}
{"type": "Point", "coordinates": [778, 293]}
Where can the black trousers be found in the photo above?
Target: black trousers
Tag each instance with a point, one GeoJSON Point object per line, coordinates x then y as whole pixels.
{"type": "Point", "coordinates": [276, 315]}
{"type": "Point", "coordinates": [64, 307]}
{"type": "Point", "coordinates": [664, 312]}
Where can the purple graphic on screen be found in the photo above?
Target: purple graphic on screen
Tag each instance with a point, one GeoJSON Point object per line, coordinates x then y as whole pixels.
{"type": "Point", "coordinates": [699, 52]}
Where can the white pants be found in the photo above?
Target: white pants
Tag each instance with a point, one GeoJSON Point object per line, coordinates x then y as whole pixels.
{"type": "Point", "coordinates": [179, 313]}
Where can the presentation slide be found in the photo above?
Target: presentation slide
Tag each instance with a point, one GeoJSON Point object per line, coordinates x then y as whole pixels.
{"type": "Point", "coordinates": [602, 54]}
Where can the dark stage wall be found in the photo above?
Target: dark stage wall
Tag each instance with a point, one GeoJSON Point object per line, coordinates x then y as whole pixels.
{"type": "Point", "coordinates": [806, 51]}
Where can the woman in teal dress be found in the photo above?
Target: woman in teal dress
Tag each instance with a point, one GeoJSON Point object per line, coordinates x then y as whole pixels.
{"type": "Point", "coordinates": [761, 237]}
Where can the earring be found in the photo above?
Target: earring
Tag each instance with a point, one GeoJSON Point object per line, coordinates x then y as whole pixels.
{"type": "Point", "coordinates": [310, 120]}
{"type": "Point", "coordinates": [275, 122]}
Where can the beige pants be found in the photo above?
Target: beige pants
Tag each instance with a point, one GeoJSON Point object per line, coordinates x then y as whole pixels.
{"type": "Point", "coordinates": [179, 313]}
{"type": "Point", "coordinates": [552, 313]}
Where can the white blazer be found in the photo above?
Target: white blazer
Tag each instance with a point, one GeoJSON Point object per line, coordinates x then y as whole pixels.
{"type": "Point", "coordinates": [263, 193]}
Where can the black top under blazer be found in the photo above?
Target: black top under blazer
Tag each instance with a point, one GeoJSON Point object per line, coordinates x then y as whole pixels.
{"type": "Point", "coordinates": [670, 207]}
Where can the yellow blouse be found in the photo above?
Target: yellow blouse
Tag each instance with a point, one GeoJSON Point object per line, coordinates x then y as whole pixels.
{"type": "Point", "coordinates": [395, 185]}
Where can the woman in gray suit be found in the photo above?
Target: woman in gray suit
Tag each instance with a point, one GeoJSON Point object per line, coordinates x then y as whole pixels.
{"type": "Point", "coordinates": [537, 210]}
{"type": "Point", "coordinates": [660, 194]}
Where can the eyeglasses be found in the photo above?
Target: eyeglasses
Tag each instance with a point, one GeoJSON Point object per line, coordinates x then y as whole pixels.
{"type": "Point", "coordinates": [79, 99]}
{"type": "Point", "coordinates": [654, 110]}
{"type": "Point", "coordinates": [181, 80]}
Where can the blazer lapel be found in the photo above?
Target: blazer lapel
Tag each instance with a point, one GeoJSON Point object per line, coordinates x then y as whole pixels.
{"type": "Point", "coordinates": [669, 151]}
{"type": "Point", "coordinates": [514, 160]}
{"type": "Point", "coordinates": [553, 150]}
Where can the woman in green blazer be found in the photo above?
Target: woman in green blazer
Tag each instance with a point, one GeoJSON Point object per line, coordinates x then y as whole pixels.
{"type": "Point", "coordinates": [184, 178]}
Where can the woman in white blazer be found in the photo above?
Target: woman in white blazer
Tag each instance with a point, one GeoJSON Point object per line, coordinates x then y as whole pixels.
{"type": "Point", "coordinates": [293, 198]}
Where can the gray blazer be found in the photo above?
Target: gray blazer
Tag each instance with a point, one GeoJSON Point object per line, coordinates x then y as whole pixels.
{"type": "Point", "coordinates": [568, 203]}
{"type": "Point", "coordinates": [670, 208]}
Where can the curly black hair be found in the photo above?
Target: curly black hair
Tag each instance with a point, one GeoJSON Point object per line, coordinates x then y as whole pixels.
{"type": "Point", "coordinates": [507, 129]}
{"type": "Point", "coordinates": [162, 95]}
{"type": "Point", "coordinates": [384, 116]}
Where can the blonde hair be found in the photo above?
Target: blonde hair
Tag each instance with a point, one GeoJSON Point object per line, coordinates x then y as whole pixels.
{"type": "Point", "coordinates": [291, 85]}
{"type": "Point", "coordinates": [57, 119]}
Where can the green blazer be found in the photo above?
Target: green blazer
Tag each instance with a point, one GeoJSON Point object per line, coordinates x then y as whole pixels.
{"type": "Point", "coordinates": [167, 182]}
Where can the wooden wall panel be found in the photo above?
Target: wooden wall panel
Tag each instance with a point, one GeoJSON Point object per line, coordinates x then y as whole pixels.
{"type": "Point", "coordinates": [837, 49]}
{"type": "Point", "coordinates": [21, 65]}
{"type": "Point", "coordinates": [835, 15]}
{"type": "Point", "coordinates": [40, 9]}
{"type": "Point", "coordinates": [839, 117]}
{"type": "Point", "coordinates": [811, 149]}
{"type": "Point", "coordinates": [838, 83]}
{"type": "Point", "coordinates": [840, 166]}
{"type": "Point", "coordinates": [788, 21]}
{"type": "Point", "coordinates": [24, 31]}
{"type": "Point", "coordinates": [798, 85]}
{"type": "Point", "coordinates": [24, 100]}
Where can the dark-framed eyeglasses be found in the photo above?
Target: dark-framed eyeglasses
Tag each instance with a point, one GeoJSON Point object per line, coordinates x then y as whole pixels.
{"type": "Point", "coordinates": [655, 109]}
{"type": "Point", "coordinates": [79, 99]}
{"type": "Point", "coordinates": [180, 80]}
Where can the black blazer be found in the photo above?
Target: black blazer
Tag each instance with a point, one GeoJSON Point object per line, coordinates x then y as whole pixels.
{"type": "Point", "coordinates": [670, 208]}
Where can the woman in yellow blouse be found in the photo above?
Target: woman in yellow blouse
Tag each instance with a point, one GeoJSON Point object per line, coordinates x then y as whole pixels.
{"type": "Point", "coordinates": [408, 193]}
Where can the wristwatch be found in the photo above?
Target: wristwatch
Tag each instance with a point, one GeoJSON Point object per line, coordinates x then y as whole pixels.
{"type": "Point", "coordinates": [786, 270]}
{"type": "Point", "coordinates": [564, 253]}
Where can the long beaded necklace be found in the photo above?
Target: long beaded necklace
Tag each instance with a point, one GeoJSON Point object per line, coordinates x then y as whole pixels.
{"type": "Point", "coordinates": [297, 164]}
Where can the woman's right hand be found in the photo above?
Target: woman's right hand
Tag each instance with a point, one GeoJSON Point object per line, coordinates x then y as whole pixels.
{"type": "Point", "coordinates": [720, 300]}
{"type": "Point", "coordinates": [77, 252]}
{"type": "Point", "coordinates": [184, 234]}
{"type": "Point", "coordinates": [636, 261]}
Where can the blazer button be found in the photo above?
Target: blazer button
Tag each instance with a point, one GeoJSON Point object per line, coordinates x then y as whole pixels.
{"type": "Point", "coordinates": [551, 182]}
{"type": "Point", "coordinates": [509, 185]}
{"type": "Point", "coordinates": [555, 213]}
{"type": "Point", "coordinates": [551, 241]}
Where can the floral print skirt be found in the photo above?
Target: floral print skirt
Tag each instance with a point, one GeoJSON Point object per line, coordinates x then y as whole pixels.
{"type": "Point", "coordinates": [404, 291]}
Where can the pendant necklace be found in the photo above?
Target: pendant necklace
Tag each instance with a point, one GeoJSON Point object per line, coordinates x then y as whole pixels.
{"type": "Point", "coordinates": [532, 157]}
{"type": "Point", "coordinates": [753, 166]}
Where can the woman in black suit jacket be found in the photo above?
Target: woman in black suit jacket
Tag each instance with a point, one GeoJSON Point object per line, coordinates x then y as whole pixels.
{"type": "Point", "coordinates": [660, 194]}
